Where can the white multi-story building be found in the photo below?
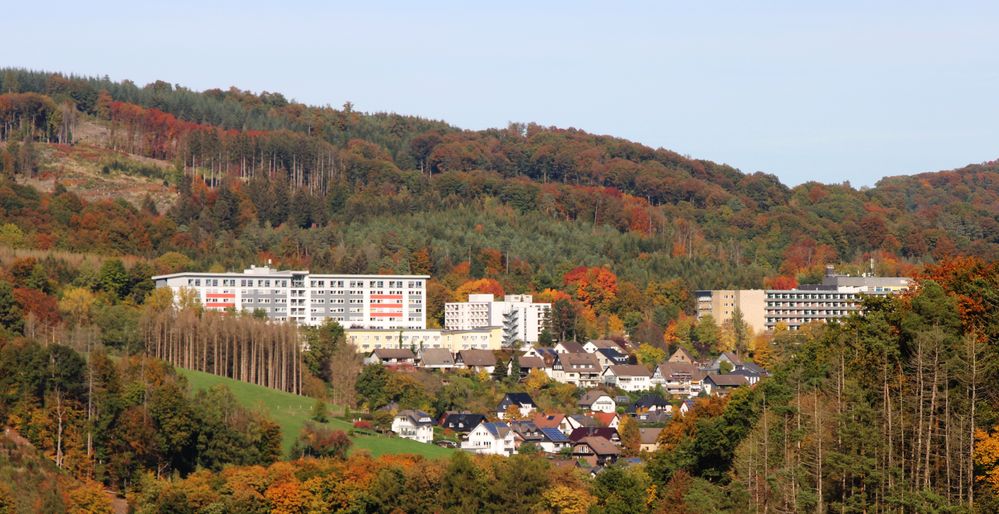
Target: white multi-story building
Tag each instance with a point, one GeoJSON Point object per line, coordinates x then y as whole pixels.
{"type": "Point", "coordinates": [368, 339]}
{"type": "Point", "coordinates": [354, 301]}
{"type": "Point", "coordinates": [414, 424]}
{"type": "Point", "coordinates": [521, 318]}
{"type": "Point", "coordinates": [836, 297]}
{"type": "Point", "coordinates": [492, 438]}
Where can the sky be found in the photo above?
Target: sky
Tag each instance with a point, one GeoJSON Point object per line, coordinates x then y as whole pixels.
{"type": "Point", "coordinates": [826, 91]}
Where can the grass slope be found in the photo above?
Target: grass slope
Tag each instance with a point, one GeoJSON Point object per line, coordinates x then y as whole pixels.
{"type": "Point", "coordinates": [291, 412]}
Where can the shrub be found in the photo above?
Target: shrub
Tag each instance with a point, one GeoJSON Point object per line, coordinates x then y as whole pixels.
{"type": "Point", "coordinates": [317, 441]}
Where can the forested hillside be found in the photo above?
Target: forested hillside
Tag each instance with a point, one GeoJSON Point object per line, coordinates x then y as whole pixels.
{"type": "Point", "coordinates": [105, 184]}
{"type": "Point", "coordinates": [261, 177]}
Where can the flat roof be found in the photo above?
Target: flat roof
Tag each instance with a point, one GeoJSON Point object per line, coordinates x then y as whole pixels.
{"type": "Point", "coordinates": [275, 273]}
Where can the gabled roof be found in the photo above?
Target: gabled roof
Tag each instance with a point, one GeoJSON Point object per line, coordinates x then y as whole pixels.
{"type": "Point", "coordinates": [745, 372]}
{"type": "Point", "coordinates": [754, 368]}
{"type": "Point", "coordinates": [681, 355]}
{"type": "Point", "coordinates": [604, 343]}
{"type": "Point", "coordinates": [461, 421]}
{"type": "Point", "coordinates": [584, 420]}
{"type": "Point", "coordinates": [554, 435]}
{"type": "Point", "coordinates": [436, 357]}
{"type": "Point", "coordinates": [678, 371]}
{"type": "Point", "coordinates": [417, 417]}
{"type": "Point", "coordinates": [732, 357]}
{"type": "Point", "coordinates": [592, 396]}
{"type": "Point", "coordinates": [531, 363]}
{"type": "Point", "coordinates": [482, 358]}
{"type": "Point", "coordinates": [649, 435]}
{"type": "Point", "coordinates": [579, 362]}
{"type": "Point", "coordinates": [728, 380]}
{"type": "Point", "coordinates": [543, 351]}
{"type": "Point", "coordinates": [600, 446]}
{"type": "Point", "coordinates": [498, 429]}
{"type": "Point", "coordinates": [604, 418]}
{"type": "Point", "coordinates": [572, 347]}
{"type": "Point", "coordinates": [393, 353]}
{"type": "Point", "coordinates": [629, 370]}
{"type": "Point", "coordinates": [651, 399]}
{"type": "Point", "coordinates": [548, 420]}
{"type": "Point", "coordinates": [527, 430]}
{"type": "Point", "coordinates": [604, 432]}
{"type": "Point", "coordinates": [613, 355]}
{"type": "Point", "coordinates": [658, 416]}
{"type": "Point", "coordinates": [519, 399]}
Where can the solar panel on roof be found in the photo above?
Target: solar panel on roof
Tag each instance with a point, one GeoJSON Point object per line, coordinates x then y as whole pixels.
{"type": "Point", "coordinates": [554, 435]}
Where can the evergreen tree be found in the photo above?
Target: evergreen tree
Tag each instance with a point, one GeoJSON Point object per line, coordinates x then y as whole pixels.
{"type": "Point", "coordinates": [740, 332]}
{"type": "Point", "coordinates": [499, 372]}
{"type": "Point", "coordinates": [319, 412]}
{"type": "Point", "coordinates": [514, 368]}
{"type": "Point", "coordinates": [113, 279]}
{"type": "Point", "coordinates": [619, 491]}
{"type": "Point", "coordinates": [11, 317]}
{"type": "Point", "coordinates": [462, 487]}
{"type": "Point", "coordinates": [371, 385]}
{"type": "Point", "coordinates": [322, 342]}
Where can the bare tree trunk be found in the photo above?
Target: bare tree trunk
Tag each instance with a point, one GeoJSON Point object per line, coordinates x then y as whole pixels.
{"type": "Point", "coordinates": [818, 453]}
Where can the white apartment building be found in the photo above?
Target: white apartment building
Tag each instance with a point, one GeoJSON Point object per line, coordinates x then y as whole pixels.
{"type": "Point", "coordinates": [836, 297]}
{"type": "Point", "coordinates": [354, 301]}
{"type": "Point", "coordinates": [521, 318]}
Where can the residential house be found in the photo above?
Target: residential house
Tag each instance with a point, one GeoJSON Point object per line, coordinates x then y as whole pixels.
{"type": "Point", "coordinates": [733, 361]}
{"type": "Point", "coordinates": [597, 401]}
{"type": "Point", "coordinates": [580, 369]}
{"type": "Point", "coordinates": [607, 433]}
{"type": "Point", "coordinates": [681, 355]}
{"type": "Point", "coordinates": [752, 371]}
{"type": "Point", "coordinates": [476, 360]}
{"type": "Point", "coordinates": [678, 378]}
{"type": "Point", "coordinates": [598, 344]}
{"type": "Point", "coordinates": [570, 423]}
{"type": "Point", "coordinates": [493, 438]}
{"type": "Point", "coordinates": [659, 417]}
{"type": "Point", "coordinates": [596, 451]}
{"type": "Point", "coordinates": [686, 406]}
{"type": "Point", "coordinates": [527, 364]}
{"type": "Point", "coordinates": [721, 385]}
{"type": "Point", "coordinates": [548, 420]}
{"type": "Point", "coordinates": [648, 439]}
{"type": "Point", "coordinates": [436, 358]}
{"type": "Point", "coordinates": [414, 424]}
{"type": "Point", "coordinates": [525, 432]}
{"type": "Point", "coordinates": [392, 357]}
{"type": "Point", "coordinates": [651, 402]}
{"type": "Point", "coordinates": [628, 377]}
{"type": "Point", "coordinates": [521, 401]}
{"type": "Point", "coordinates": [569, 347]}
{"type": "Point", "coordinates": [540, 351]}
{"type": "Point", "coordinates": [609, 357]}
{"type": "Point", "coordinates": [553, 440]}
{"type": "Point", "coordinates": [607, 419]}
{"type": "Point", "coordinates": [461, 422]}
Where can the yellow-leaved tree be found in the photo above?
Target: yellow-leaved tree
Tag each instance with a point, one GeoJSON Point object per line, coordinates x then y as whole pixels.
{"type": "Point", "coordinates": [987, 456]}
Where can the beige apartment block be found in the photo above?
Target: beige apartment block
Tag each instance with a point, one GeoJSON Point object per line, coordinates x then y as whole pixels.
{"type": "Point", "coordinates": [722, 303]}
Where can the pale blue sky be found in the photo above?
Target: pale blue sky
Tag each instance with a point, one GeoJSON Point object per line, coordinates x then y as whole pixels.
{"type": "Point", "coordinates": [841, 91]}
